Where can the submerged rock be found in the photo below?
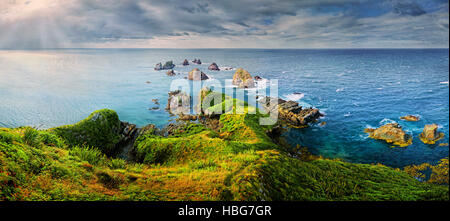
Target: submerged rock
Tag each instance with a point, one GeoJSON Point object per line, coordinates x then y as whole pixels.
{"type": "Point", "coordinates": [430, 134]}
{"type": "Point", "coordinates": [213, 67]}
{"type": "Point", "coordinates": [391, 133]}
{"type": "Point", "coordinates": [178, 102]}
{"type": "Point", "coordinates": [197, 75]}
{"type": "Point", "coordinates": [185, 62]}
{"type": "Point", "coordinates": [243, 79]}
{"type": "Point", "coordinates": [410, 118]}
{"type": "Point", "coordinates": [290, 113]}
{"type": "Point", "coordinates": [170, 72]}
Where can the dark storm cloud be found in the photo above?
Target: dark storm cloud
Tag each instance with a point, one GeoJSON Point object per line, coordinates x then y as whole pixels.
{"type": "Point", "coordinates": [300, 21]}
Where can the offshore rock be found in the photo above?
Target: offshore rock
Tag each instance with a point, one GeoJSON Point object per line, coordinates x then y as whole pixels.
{"type": "Point", "coordinates": [170, 72]}
{"type": "Point", "coordinates": [213, 67]}
{"type": "Point", "coordinates": [290, 113]}
{"type": "Point", "coordinates": [185, 62]}
{"type": "Point", "coordinates": [178, 102]}
{"type": "Point", "coordinates": [197, 75]}
{"type": "Point", "coordinates": [430, 134]}
{"type": "Point", "coordinates": [391, 133]}
{"type": "Point", "coordinates": [197, 61]}
{"type": "Point", "coordinates": [169, 65]}
{"type": "Point", "coordinates": [243, 79]}
{"type": "Point", "coordinates": [410, 118]}
{"type": "Point", "coordinates": [158, 66]}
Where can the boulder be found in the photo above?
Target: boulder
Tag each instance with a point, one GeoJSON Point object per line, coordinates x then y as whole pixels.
{"type": "Point", "coordinates": [410, 118]}
{"type": "Point", "coordinates": [290, 113]}
{"type": "Point", "coordinates": [185, 62]}
{"type": "Point", "coordinates": [169, 65]}
{"type": "Point", "coordinates": [197, 75]}
{"type": "Point", "coordinates": [257, 78]}
{"type": "Point", "coordinates": [158, 66]}
{"type": "Point", "coordinates": [391, 133]}
{"type": "Point", "coordinates": [170, 72]}
{"type": "Point", "coordinates": [430, 134]}
{"type": "Point", "coordinates": [243, 79]}
{"type": "Point", "coordinates": [197, 61]}
{"type": "Point", "coordinates": [213, 67]}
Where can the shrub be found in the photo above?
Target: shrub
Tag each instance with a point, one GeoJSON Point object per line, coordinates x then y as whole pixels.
{"type": "Point", "coordinates": [117, 164]}
{"type": "Point", "coordinates": [92, 155]}
{"type": "Point", "coordinates": [50, 139]}
{"type": "Point", "coordinates": [8, 137]}
{"type": "Point", "coordinates": [31, 137]}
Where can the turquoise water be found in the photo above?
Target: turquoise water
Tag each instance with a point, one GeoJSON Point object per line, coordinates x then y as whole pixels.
{"type": "Point", "coordinates": [354, 88]}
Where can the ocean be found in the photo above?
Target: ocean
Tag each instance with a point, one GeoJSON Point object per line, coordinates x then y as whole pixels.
{"type": "Point", "coordinates": [355, 88]}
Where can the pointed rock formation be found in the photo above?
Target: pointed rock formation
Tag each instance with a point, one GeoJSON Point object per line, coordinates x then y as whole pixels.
{"type": "Point", "coordinates": [197, 75]}
{"type": "Point", "coordinates": [213, 67]}
{"type": "Point", "coordinates": [243, 79]}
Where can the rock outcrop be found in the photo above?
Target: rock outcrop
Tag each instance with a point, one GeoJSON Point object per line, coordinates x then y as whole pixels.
{"type": "Point", "coordinates": [158, 66]}
{"type": "Point", "coordinates": [213, 67]}
{"type": "Point", "coordinates": [430, 134]}
{"type": "Point", "coordinates": [197, 61]}
{"type": "Point", "coordinates": [257, 78]}
{"type": "Point", "coordinates": [197, 75]}
{"type": "Point", "coordinates": [178, 102]}
{"type": "Point", "coordinates": [169, 65]}
{"type": "Point", "coordinates": [391, 133]}
{"type": "Point", "coordinates": [290, 113]}
{"type": "Point", "coordinates": [170, 72]}
{"type": "Point", "coordinates": [243, 79]}
{"type": "Point", "coordinates": [166, 66]}
{"type": "Point", "coordinates": [410, 118]}
{"type": "Point", "coordinates": [185, 62]}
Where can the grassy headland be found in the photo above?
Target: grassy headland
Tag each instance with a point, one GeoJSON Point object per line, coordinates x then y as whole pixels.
{"type": "Point", "coordinates": [238, 161]}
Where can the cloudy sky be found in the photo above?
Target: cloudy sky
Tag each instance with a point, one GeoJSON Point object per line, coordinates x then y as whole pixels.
{"type": "Point", "coordinates": [26, 24]}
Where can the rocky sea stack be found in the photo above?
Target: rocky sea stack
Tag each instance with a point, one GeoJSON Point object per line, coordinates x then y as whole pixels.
{"type": "Point", "coordinates": [391, 133]}
{"type": "Point", "coordinates": [197, 61]}
{"type": "Point", "coordinates": [166, 66]}
{"type": "Point", "coordinates": [291, 113]}
{"type": "Point", "coordinates": [185, 62]}
{"type": "Point", "coordinates": [430, 134]}
{"type": "Point", "coordinates": [213, 67]}
{"type": "Point", "coordinates": [197, 75]}
{"type": "Point", "coordinates": [243, 79]}
{"type": "Point", "coordinates": [170, 72]}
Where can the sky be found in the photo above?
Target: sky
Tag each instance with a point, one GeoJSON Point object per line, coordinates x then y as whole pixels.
{"type": "Point", "coordinates": [38, 24]}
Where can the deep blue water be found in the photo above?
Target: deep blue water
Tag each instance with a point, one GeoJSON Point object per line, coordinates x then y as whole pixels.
{"type": "Point", "coordinates": [354, 88]}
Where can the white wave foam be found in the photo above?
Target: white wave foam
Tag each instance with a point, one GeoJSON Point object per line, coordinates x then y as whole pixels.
{"type": "Point", "coordinates": [294, 96]}
{"type": "Point", "coordinates": [443, 82]}
{"type": "Point", "coordinates": [387, 121]}
{"type": "Point", "coordinates": [339, 90]}
{"type": "Point", "coordinates": [227, 68]}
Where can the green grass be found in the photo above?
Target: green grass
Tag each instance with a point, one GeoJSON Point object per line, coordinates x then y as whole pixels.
{"type": "Point", "coordinates": [237, 162]}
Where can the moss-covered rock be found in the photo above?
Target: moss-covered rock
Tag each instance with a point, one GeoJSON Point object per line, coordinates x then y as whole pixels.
{"type": "Point", "coordinates": [243, 79]}
{"type": "Point", "coordinates": [101, 129]}
{"type": "Point", "coordinates": [430, 134]}
{"type": "Point", "coordinates": [391, 133]}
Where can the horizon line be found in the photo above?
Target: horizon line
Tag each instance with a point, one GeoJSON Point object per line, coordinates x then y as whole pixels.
{"type": "Point", "coordinates": [25, 49]}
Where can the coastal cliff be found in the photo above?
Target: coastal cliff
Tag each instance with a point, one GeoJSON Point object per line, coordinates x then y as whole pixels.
{"type": "Point", "coordinates": [234, 160]}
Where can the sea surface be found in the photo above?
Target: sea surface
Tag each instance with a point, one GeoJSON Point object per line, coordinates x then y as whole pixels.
{"type": "Point", "coordinates": [355, 88]}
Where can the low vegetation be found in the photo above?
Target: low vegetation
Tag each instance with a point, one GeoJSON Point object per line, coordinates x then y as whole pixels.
{"type": "Point", "coordinates": [239, 161]}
